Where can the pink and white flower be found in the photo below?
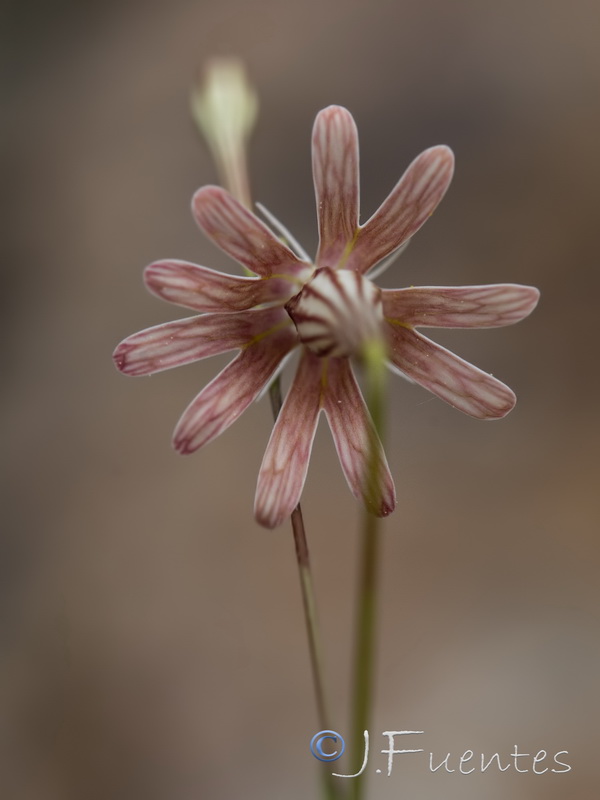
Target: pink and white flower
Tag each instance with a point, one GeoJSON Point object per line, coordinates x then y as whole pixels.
{"type": "Point", "coordinates": [331, 309]}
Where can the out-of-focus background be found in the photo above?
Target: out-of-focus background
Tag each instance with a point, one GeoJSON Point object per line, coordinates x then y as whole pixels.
{"type": "Point", "coordinates": [152, 636]}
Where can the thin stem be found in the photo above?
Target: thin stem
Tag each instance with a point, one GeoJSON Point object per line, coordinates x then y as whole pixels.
{"type": "Point", "coordinates": [308, 601]}
{"type": "Point", "coordinates": [364, 654]}
{"type": "Point", "coordinates": [364, 659]}
{"type": "Point", "coordinates": [329, 788]}
{"type": "Point", "coordinates": [234, 174]}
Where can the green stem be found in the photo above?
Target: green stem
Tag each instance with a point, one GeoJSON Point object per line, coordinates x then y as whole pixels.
{"type": "Point", "coordinates": [364, 662]}
{"type": "Point", "coordinates": [364, 654]}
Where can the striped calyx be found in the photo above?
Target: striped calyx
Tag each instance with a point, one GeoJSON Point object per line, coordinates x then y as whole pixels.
{"type": "Point", "coordinates": [337, 313]}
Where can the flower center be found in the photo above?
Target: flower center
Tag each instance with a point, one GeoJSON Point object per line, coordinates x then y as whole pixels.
{"type": "Point", "coordinates": [337, 313]}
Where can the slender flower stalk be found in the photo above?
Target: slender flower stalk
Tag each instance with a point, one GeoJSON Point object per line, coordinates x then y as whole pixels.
{"type": "Point", "coordinates": [365, 643]}
{"type": "Point", "coordinates": [366, 619]}
{"type": "Point", "coordinates": [309, 606]}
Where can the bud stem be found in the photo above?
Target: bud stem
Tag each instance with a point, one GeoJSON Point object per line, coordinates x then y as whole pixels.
{"type": "Point", "coordinates": [364, 654]}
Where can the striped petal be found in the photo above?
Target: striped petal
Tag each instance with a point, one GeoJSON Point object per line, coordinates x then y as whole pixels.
{"type": "Point", "coordinates": [186, 340]}
{"type": "Point", "coordinates": [354, 436]}
{"type": "Point", "coordinates": [285, 463]}
{"type": "Point", "coordinates": [227, 396]}
{"type": "Point", "coordinates": [203, 289]}
{"type": "Point", "coordinates": [446, 375]}
{"type": "Point", "coordinates": [242, 235]}
{"type": "Point", "coordinates": [410, 203]}
{"type": "Point", "coordinates": [460, 306]}
{"type": "Point", "coordinates": [335, 174]}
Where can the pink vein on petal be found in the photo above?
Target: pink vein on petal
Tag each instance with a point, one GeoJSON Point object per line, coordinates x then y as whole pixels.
{"type": "Point", "coordinates": [203, 289]}
{"type": "Point", "coordinates": [242, 235]}
{"type": "Point", "coordinates": [353, 432]}
{"type": "Point", "coordinates": [413, 199]}
{"type": "Point", "coordinates": [460, 306]}
{"type": "Point", "coordinates": [285, 463]}
{"type": "Point", "coordinates": [229, 394]}
{"type": "Point", "coordinates": [186, 340]}
{"type": "Point", "coordinates": [446, 375]}
{"type": "Point", "coordinates": [336, 180]}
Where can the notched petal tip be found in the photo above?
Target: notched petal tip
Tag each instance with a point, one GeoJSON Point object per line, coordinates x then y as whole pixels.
{"type": "Point", "coordinates": [123, 359]}
{"type": "Point", "coordinates": [531, 296]}
{"type": "Point", "coordinates": [388, 503]}
{"type": "Point", "coordinates": [517, 302]}
{"type": "Point", "coordinates": [502, 408]}
{"type": "Point", "coordinates": [387, 499]}
{"type": "Point", "coordinates": [154, 270]}
{"type": "Point", "coordinates": [155, 274]}
{"type": "Point", "coordinates": [495, 404]}
{"type": "Point", "coordinates": [183, 444]}
{"type": "Point", "coordinates": [119, 357]}
{"type": "Point", "coordinates": [265, 519]}
{"type": "Point", "coordinates": [207, 194]}
{"type": "Point", "coordinates": [443, 152]}
{"type": "Point", "coordinates": [217, 211]}
{"type": "Point", "coordinates": [440, 158]}
{"type": "Point", "coordinates": [439, 171]}
{"type": "Point", "coordinates": [491, 399]}
{"type": "Point", "coordinates": [331, 111]}
{"type": "Point", "coordinates": [210, 206]}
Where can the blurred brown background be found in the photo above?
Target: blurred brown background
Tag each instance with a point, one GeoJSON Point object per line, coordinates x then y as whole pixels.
{"type": "Point", "coordinates": [152, 637]}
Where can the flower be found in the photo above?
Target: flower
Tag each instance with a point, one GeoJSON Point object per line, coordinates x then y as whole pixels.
{"type": "Point", "coordinates": [331, 309]}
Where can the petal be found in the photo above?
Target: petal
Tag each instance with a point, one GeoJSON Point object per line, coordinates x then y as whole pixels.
{"type": "Point", "coordinates": [460, 306]}
{"type": "Point", "coordinates": [285, 463]}
{"type": "Point", "coordinates": [354, 436]}
{"type": "Point", "coordinates": [242, 235]}
{"type": "Point", "coordinates": [410, 203]}
{"type": "Point", "coordinates": [204, 289]}
{"type": "Point", "coordinates": [221, 402]}
{"type": "Point", "coordinates": [335, 174]}
{"type": "Point", "coordinates": [186, 340]}
{"type": "Point", "coordinates": [449, 377]}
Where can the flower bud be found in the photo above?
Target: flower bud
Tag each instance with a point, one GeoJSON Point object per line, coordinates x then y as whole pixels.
{"type": "Point", "coordinates": [224, 108]}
